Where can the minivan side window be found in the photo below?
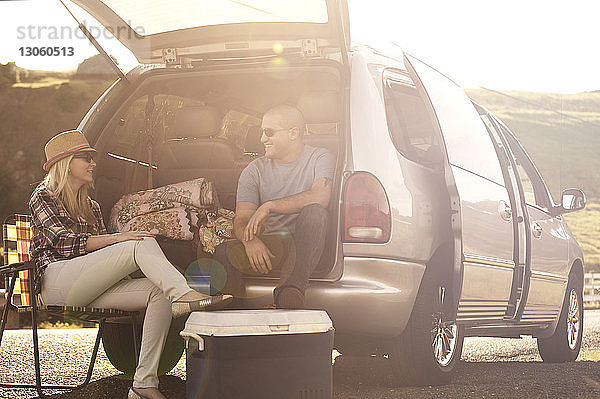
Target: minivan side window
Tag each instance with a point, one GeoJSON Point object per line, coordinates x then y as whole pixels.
{"type": "Point", "coordinates": [409, 122]}
{"type": "Point", "coordinates": [534, 188]}
{"type": "Point", "coordinates": [527, 185]}
{"type": "Point", "coordinates": [468, 143]}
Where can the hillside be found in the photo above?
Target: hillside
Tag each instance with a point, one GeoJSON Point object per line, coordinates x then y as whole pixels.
{"type": "Point", "coordinates": [566, 150]}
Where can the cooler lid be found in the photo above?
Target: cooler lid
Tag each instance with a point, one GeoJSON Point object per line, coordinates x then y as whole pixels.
{"type": "Point", "coordinates": [257, 322]}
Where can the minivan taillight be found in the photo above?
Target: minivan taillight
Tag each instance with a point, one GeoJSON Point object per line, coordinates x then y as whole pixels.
{"type": "Point", "coordinates": [366, 210]}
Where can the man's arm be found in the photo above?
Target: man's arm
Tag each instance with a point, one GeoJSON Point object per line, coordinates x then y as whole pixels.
{"type": "Point", "coordinates": [258, 253]}
{"type": "Point", "coordinates": [243, 213]}
{"type": "Point", "coordinates": [319, 193]}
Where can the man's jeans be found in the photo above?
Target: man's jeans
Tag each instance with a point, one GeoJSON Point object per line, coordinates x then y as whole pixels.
{"type": "Point", "coordinates": [296, 256]}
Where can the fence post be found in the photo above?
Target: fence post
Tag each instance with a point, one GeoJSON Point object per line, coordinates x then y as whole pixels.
{"type": "Point", "coordinates": [591, 287]}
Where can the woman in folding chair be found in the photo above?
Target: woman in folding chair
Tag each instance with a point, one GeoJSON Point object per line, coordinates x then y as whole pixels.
{"type": "Point", "coordinates": [79, 264]}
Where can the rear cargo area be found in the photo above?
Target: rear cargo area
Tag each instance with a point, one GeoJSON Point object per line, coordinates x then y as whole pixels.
{"type": "Point", "coordinates": [181, 126]}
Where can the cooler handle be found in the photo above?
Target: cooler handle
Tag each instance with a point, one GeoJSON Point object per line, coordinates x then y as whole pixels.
{"type": "Point", "coordinates": [187, 335]}
{"type": "Point", "coordinates": [279, 327]}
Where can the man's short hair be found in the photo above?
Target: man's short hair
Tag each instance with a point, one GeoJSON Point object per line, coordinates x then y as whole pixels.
{"type": "Point", "coordinates": [288, 117]}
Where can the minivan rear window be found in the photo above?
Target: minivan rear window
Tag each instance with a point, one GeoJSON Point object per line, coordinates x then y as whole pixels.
{"type": "Point", "coordinates": [411, 128]}
{"type": "Point", "coordinates": [156, 16]}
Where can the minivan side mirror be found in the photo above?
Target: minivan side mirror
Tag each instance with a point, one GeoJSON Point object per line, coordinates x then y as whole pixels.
{"type": "Point", "coordinates": [572, 200]}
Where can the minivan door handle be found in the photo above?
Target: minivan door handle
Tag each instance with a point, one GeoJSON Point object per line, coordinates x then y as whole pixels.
{"type": "Point", "coordinates": [504, 210]}
{"type": "Point", "coordinates": [536, 229]}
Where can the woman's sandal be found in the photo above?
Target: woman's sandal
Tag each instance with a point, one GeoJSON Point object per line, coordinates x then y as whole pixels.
{"type": "Point", "coordinates": [135, 394]}
{"type": "Point", "coordinates": [215, 302]}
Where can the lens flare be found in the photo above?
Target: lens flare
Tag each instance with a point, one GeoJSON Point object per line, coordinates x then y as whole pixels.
{"type": "Point", "coordinates": [278, 48]}
{"type": "Point", "coordinates": [206, 275]}
{"type": "Point", "coordinates": [278, 62]}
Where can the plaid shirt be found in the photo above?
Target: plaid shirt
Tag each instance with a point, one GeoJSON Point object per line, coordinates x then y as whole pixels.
{"type": "Point", "coordinates": [56, 235]}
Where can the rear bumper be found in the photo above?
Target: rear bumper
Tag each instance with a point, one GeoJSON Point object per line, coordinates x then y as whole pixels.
{"type": "Point", "coordinates": [374, 297]}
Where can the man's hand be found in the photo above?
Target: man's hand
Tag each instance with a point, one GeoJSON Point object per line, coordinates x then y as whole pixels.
{"type": "Point", "coordinates": [258, 255]}
{"type": "Point", "coordinates": [256, 220]}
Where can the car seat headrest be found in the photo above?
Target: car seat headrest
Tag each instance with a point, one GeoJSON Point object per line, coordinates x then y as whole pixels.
{"type": "Point", "coordinates": [253, 143]}
{"type": "Point", "coordinates": [197, 121]}
{"type": "Point", "coordinates": [319, 106]}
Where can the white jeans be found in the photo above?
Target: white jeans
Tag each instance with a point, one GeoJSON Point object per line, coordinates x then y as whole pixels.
{"type": "Point", "coordinates": [96, 280]}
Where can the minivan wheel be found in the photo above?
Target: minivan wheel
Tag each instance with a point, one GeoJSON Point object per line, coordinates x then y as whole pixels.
{"type": "Point", "coordinates": [565, 343]}
{"type": "Point", "coordinates": [117, 340]}
{"type": "Point", "coordinates": [430, 347]}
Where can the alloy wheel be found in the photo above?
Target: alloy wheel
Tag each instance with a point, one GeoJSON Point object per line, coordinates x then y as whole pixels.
{"type": "Point", "coordinates": [444, 333]}
{"type": "Point", "coordinates": [443, 340]}
{"type": "Point", "coordinates": [573, 320]}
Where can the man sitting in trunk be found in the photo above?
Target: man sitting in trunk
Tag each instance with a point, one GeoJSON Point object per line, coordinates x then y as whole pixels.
{"type": "Point", "coordinates": [281, 218]}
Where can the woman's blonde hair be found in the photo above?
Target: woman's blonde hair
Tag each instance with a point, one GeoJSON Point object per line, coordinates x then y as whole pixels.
{"type": "Point", "coordinates": [77, 203]}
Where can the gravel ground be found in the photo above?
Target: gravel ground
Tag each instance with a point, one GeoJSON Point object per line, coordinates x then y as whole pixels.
{"type": "Point", "coordinates": [490, 368]}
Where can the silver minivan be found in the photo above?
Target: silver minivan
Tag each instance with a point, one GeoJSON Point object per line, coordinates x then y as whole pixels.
{"type": "Point", "coordinates": [441, 227]}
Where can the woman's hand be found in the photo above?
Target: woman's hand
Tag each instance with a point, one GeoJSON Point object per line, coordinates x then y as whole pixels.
{"type": "Point", "coordinates": [104, 240]}
{"type": "Point", "coordinates": [133, 235]}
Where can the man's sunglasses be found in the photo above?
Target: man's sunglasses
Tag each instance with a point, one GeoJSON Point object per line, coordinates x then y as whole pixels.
{"type": "Point", "coordinates": [267, 131]}
{"type": "Point", "coordinates": [88, 156]}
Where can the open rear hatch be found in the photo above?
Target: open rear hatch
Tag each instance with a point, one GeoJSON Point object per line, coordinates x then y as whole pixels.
{"type": "Point", "coordinates": [169, 32]}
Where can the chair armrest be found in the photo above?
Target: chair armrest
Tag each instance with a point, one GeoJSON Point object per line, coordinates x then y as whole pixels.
{"type": "Point", "coordinates": [17, 267]}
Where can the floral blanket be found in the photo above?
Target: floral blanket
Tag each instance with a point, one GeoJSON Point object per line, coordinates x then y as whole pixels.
{"type": "Point", "coordinates": [183, 211]}
{"type": "Point", "coordinates": [198, 193]}
{"type": "Point", "coordinates": [172, 223]}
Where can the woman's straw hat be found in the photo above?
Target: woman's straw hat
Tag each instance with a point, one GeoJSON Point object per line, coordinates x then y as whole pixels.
{"type": "Point", "coordinates": [64, 144]}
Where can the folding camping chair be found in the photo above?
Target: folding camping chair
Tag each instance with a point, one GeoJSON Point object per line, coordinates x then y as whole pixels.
{"type": "Point", "coordinates": [20, 296]}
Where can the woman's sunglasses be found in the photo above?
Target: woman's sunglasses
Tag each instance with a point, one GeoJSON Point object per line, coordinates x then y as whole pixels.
{"type": "Point", "coordinates": [86, 155]}
{"type": "Point", "coordinates": [267, 131]}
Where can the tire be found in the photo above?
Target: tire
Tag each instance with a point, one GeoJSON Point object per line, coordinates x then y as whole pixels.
{"type": "Point", "coordinates": [430, 347]}
{"type": "Point", "coordinates": [565, 343]}
{"type": "Point", "coordinates": [117, 339]}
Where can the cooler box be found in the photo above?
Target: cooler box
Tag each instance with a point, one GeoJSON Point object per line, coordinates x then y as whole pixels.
{"type": "Point", "coordinates": [262, 354]}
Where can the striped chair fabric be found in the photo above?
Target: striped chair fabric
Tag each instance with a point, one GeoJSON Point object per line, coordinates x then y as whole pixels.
{"type": "Point", "coordinates": [16, 233]}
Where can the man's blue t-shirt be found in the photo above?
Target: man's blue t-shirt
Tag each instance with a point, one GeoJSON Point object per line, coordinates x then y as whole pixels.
{"type": "Point", "coordinates": [266, 179]}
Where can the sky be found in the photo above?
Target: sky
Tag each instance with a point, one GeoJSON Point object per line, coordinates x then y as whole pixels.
{"type": "Point", "coordinates": [532, 45]}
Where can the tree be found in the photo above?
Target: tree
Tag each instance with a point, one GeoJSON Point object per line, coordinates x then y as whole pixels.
{"type": "Point", "coordinates": [8, 74]}
{"type": "Point", "coordinates": [95, 66]}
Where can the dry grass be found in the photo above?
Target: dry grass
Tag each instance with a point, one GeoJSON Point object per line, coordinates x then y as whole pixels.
{"type": "Point", "coordinates": [59, 324]}
{"type": "Point", "coordinates": [589, 355]}
{"type": "Point", "coordinates": [46, 82]}
{"type": "Point", "coordinates": [585, 226]}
